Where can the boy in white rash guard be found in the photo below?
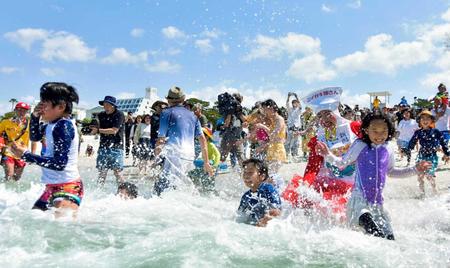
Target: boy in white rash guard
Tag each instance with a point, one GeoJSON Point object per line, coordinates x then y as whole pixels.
{"type": "Point", "coordinates": [63, 185]}
{"type": "Point", "coordinates": [406, 128]}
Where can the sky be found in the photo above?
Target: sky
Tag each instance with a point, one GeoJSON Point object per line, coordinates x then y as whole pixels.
{"type": "Point", "coordinates": [262, 49]}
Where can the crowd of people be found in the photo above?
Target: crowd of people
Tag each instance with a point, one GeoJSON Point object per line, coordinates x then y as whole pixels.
{"type": "Point", "coordinates": [346, 149]}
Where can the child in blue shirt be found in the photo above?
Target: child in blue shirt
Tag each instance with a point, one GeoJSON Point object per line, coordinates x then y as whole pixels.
{"type": "Point", "coordinates": [429, 139]}
{"type": "Point", "coordinates": [262, 202]}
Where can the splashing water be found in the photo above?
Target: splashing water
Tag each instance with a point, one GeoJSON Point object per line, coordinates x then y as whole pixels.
{"type": "Point", "coordinates": [189, 230]}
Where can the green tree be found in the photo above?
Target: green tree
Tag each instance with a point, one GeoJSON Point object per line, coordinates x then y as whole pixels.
{"type": "Point", "coordinates": [7, 115]}
{"type": "Point", "coordinates": [194, 101]}
{"type": "Point", "coordinates": [423, 104]}
{"type": "Point", "coordinates": [86, 121]}
{"type": "Point", "coordinates": [212, 115]}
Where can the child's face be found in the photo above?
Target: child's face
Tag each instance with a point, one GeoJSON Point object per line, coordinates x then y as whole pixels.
{"type": "Point", "coordinates": [50, 112]}
{"type": "Point", "coordinates": [378, 132]}
{"type": "Point", "coordinates": [251, 177]}
{"type": "Point", "coordinates": [407, 115]}
{"type": "Point", "coordinates": [425, 121]}
{"type": "Point", "coordinates": [21, 112]}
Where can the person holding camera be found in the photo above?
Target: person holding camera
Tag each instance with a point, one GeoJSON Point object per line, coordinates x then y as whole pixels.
{"type": "Point", "coordinates": [294, 112]}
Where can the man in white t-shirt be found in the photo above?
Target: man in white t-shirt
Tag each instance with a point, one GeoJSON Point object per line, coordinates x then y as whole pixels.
{"type": "Point", "coordinates": [442, 119]}
{"type": "Point", "coordinates": [406, 128]}
{"type": "Point", "coordinates": [294, 124]}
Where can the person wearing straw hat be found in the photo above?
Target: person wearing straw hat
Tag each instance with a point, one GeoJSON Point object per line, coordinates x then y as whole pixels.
{"type": "Point", "coordinates": [430, 139]}
{"type": "Point", "coordinates": [338, 134]}
{"type": "Point", "coordinates": [177, 130]}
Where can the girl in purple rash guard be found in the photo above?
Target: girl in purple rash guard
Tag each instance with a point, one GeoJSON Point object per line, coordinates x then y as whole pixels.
{"type": "Point", "coordinates": [374, 160]}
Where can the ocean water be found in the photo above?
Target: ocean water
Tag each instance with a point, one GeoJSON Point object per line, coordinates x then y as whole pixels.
{"type": "Point", "coordinates": [185, 229]}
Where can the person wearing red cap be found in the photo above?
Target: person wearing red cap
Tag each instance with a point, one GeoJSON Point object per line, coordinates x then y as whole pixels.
{"type": "Point", "coordinates": [15, 129]}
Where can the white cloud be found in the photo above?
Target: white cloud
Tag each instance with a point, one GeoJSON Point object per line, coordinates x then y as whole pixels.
{"type": "Point", "coordinates": [137, 32]}
{"type": "Point", "coordinates": [382, 55]}
{"type": "Point", "coordinates": [443, 61]}
{"type": "Point", "coordinates": [349, 98]}
{"type": "Point", "coordinates": [225, 48]}
{"type": "Point", "coordinates": [54, 45]}
{"type": "Point", "coordinates": [26, 37]}
{"type": "Point", "coordinates": [5, 107]}
{"type": "Point", "coordinates": [432, 80]}
{"type": "Point", "coordinates": [204, 45]}
{"type": "Point", "coordinates": [311, 68]}
{"type": "Point", "coordinates": [66, 47]}
{"type": "Point", "coordinates": [8, 70]}
{"type": "Point", "coordinates": [326, 8]}
{"type": "Point", "coordinates": [126, 95]}
{"type": "Point", "coordinates": [51, 71]}
{"type": "Point", "coordinates": [172, 32]}
{"type": "Point", "coordinates": [213, 34]}
{"type": "Point", "coordinates": [163, 67]}
{"type": "Point", "coordinates": [446, 15]}
{"type": "Point", "coordinates": [292, 44]}
{"type": "Point", "coordinates": [28, 99]}
{"type": "Point", "coordinates": [355, 4]}
{"type": "Point", "coordinates": [122, 56]}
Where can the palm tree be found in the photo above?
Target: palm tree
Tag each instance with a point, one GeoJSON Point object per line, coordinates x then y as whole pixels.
{"type": "Point", "coordinates": [13, 102]}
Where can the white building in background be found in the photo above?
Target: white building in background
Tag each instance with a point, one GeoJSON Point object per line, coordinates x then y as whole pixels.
{"type": "Point", "coordinates": [79, 113]}
{"type": "Point", "coordinates": [138, 106]}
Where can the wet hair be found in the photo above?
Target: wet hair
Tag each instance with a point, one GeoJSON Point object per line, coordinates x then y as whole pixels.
{"type": "Point", "coordinates": [270, 104]}
{"type": "Point", "coordinates": [130, 188]}
{"type": "Point", "coordinates": [260, 166]}
{"type": "Point", "coordinates": [59, 93]}
{"type": "Point", "coordinates": [376, 116]}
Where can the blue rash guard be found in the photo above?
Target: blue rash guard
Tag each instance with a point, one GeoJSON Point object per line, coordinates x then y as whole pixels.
{"type": "Point", "coordinates": [430, 140]}
{"type": "Point", "coordinates": [254, 205]}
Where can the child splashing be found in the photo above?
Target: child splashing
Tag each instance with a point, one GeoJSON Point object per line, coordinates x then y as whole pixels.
{"type": "Point", "coordinates": [374, 161]}
{"type": "Point", "coordinates": [63, 185]}
{"type": "Point", "coordinates": [430, 139]}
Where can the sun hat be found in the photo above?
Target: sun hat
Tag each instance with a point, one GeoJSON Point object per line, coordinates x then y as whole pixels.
{"type": "Point", "coordinates": [109, 99]}
{"type": "Point", "coordinates": [175, 93]}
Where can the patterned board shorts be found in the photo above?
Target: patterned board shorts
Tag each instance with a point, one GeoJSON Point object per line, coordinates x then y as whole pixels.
{"type": "Point", "coordinates": [434, 162]}
{"type": "Point", "coordinates": [72, 191]}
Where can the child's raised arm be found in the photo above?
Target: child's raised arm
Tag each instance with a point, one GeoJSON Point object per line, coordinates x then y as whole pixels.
{"type": "Point", "coordinates": [347, 159]}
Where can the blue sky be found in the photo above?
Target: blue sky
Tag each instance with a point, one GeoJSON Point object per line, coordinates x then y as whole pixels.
{"type": "Point", "coordinates": [260, 48]}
